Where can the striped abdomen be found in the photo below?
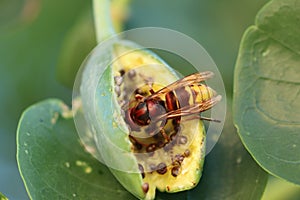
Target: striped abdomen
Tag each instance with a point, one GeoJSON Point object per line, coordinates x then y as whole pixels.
{"type": "Point", "coordinates": [188, 96]}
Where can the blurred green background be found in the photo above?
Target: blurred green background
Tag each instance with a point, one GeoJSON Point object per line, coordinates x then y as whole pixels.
{"type": "Point", "coordinates": [32, 34]}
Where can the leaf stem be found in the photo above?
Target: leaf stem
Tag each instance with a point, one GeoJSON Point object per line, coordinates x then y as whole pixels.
{"type": "Point", "coordinates": [102, 19]}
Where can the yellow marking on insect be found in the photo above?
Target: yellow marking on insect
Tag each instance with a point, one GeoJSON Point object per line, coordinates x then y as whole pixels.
{"type": "Point", "coordinates": [203, 93]}
{"type": "Point", "coordinates": [190, 91]}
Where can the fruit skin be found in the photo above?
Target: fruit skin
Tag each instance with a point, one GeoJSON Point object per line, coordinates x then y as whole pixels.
{"type": "Point", "coordinates": [111, 132]}
{"type": "Point", "coordinates": [114, 142]}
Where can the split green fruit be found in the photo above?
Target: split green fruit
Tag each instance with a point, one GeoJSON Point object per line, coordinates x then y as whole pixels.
{"type": "Point", "coordinates": [170, 160]}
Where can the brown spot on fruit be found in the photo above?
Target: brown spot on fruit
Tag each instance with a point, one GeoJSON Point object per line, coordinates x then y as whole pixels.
{"type": "Point", "coordinates": [187, 153]}
{"type": "Point", "coordinates": [118, 80]}
{"type": "Point", "coordinates": [175, 171]}
{"type": "Point", "coordinates": [117, 90]}
{"type": "Point", "coordinates": [152, 167]}
{"type": "Point", "coordinates": [141, 168]}
{"type": "Point", "coordinates": [145, 187]}
{"type": "Point", "coordinates": [176, 163]}
{"type": "Point", "coordinates": [182, 139]}
{"type": "Point", "coordinates": [150, 154]}
{"type": "Point", "coordinates": [179, 158]}
{"type": "Point", "coordinates": [122, 72]}
{"type": "Point", "coordinates": [151, 147]}
{"type": "Point", "coordinates": [131, 74]}
{"type": "Point", "coordinates": [122, 103]}
{"type": "Point", "coordinates": [168, 147]}
{"type": "Point", "coordinates": [161, 168]}
{"type": "Point", "coordinates": [173, 137]}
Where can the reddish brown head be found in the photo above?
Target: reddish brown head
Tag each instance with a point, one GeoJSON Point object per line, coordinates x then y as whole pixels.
{"type": "Point", "coordinates": [145, 112]}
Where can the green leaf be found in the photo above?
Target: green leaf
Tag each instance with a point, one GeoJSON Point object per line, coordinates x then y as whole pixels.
{"type": "Point", "coordinates": [278, 189]}
{"type": "Point", "coordinates": [81, 39]}
{"type": "Point", "coordinates": [52, 162]}
{"type": "Point", "coordinates": [267, 92]}
{"type": "Point", "coordinates": [77, 44]}
{"type": "Point", "coordinates": [229, 171]}
{"type": "Point", "coordinates": [216, 25]}
{"type": "Point", "coordinates": [2, 197]}
{"type": "Point", "coordinates": [54, 165]}
{"type": "Point", "coordinates": [31, 34]}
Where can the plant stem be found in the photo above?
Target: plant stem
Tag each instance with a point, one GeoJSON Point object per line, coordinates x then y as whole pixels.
{"type": "Point", "coordinates": [102, 19]}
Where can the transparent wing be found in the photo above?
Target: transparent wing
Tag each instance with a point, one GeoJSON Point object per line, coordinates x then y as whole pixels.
{"type": "Point", "coordinates": [188, 80]}
{"type": "Point", "coordinates": [192, 109]}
